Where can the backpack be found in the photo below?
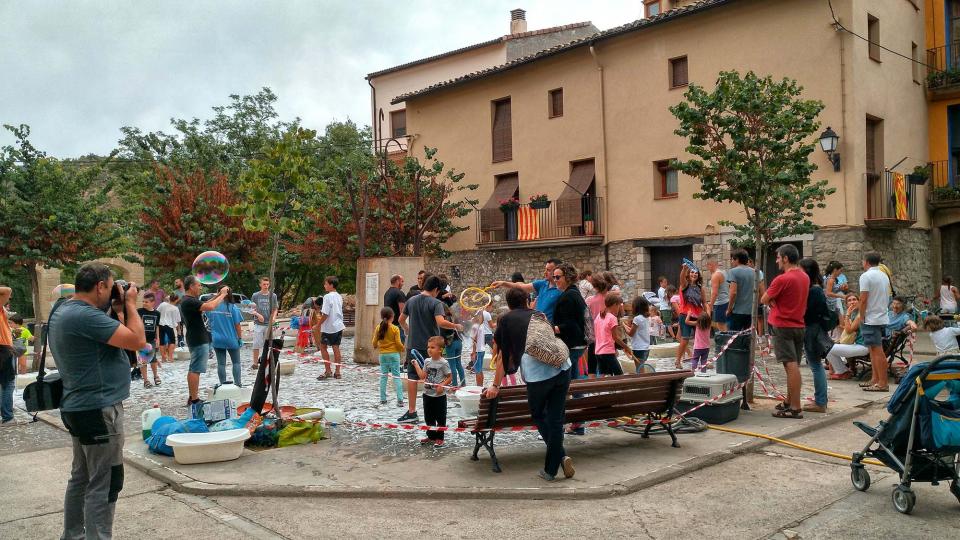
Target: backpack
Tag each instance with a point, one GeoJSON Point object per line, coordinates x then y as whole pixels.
{"type": "Point", "coordinates": [588, 326]}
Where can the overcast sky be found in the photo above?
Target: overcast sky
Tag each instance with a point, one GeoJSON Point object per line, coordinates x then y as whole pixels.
{"type": "Point", "coordinates": [76, 71]}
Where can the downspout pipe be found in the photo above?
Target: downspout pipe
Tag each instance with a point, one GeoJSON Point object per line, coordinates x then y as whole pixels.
{"type": "Point", "coordinates": [373, 113]}
{"type": "Point", "coordinates": [603, 149]}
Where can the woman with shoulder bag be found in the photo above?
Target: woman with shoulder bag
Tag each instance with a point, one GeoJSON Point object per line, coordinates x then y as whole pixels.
{"type": "Point", "coordinates": [816, 340]}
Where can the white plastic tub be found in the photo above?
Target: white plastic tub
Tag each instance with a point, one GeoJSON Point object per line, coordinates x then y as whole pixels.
{"type": "Point", "coordinates": [469, 397]}
{"type": "Point", "coordinates": [230, 391]}
{"type": "Point", "coordinates": [181, 354]}
{"type": "Point", "coordinates": [191, 448]}
{"type": "Point", "coordinates": [288, 365]}
{"type": "Point", "coordinates": [664, 350]}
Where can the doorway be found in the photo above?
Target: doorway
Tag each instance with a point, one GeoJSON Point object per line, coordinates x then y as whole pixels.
{"type": "Point", "coordinates": [666, 261]}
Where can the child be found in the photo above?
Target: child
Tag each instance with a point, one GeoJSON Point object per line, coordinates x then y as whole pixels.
{"type": "Point", "coordinates": [944, 338]}
{"type": "Point", "coordinates": [22, 335]}
{"type": "Point", "coordinates": [485, 327]}
{"type": "Point", "coordinates": [387, 339]}
{"type": "Point", "coordinates": [701, 339]}
{"type": "Point", "coordinates": [169, 321]}
{"type": "Point", "coordinates": [303, 328]}
{"type": "Point", "coordinates": [674, 328]}
{"type": "Point", "coordinates": [639, 332]}
{"type": "Point", "coordinates": [435, 374]}
{"type": "Point", "coordinates": [656, 325]}
{"type": "Point", "coordinates": [605, 332]}
{"type": "Point", "coordinates": [151, 323]}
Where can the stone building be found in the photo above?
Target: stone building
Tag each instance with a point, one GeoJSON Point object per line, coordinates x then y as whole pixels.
{"type": "Point", "coordinates": [586, 125]}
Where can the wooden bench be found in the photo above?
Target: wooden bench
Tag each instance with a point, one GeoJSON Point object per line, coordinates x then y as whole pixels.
{"type": "Point", "coordinates": [650, 394]}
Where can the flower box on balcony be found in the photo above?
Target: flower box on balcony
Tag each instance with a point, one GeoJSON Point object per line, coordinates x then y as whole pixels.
{"type": "Point", "coordinates": [539, 202]}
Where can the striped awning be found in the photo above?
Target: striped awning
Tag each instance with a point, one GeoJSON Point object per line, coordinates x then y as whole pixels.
{"type": "Point", "coordinates": [569, 203]}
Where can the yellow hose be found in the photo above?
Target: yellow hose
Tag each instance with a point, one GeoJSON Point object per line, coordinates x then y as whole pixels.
{"type": "Point", "coordinates": [793, 444]}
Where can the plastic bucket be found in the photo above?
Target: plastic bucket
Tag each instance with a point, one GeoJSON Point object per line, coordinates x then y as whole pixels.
{"type": "Point", "coordinates": [469, 397]}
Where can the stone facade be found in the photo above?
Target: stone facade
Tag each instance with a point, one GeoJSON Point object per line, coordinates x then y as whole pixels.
{"type": "Point", "coordinates": [51, 277]}
{"type": "Point", "coordinates": [905, 251]}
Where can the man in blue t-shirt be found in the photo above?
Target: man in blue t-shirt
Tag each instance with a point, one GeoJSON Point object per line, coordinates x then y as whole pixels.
{"type": "Point", "coordinates": [546, 289]}
{"type": "Point", "coordinates": [89, 347]}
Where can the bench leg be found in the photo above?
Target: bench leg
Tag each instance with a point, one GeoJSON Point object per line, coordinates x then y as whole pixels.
{"type": "Point", "coordinates": [673, 436]}
{"type": "Point", "coordinates": [646, 430]}
{"type": "Point", "coordinates": [485, 440]}
{"type": "Point", "coordinates": [477, 445]}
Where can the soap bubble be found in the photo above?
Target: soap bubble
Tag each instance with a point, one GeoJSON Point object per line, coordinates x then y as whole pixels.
{"type": "Point", "coordinates": [145, 353]}
{"type": "Point", "coordinates": [496, 298]}
{"type": "Point", "coordinates": [64, 290]}
{"type": "Point", "coordinates": [210, 267]}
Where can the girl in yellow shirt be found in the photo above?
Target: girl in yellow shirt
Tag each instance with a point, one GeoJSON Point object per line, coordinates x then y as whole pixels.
{"type": "Point", "coordinates": [386, 338]}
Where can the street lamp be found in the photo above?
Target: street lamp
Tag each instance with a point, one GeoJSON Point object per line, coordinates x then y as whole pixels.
{"type": "Point", "coordinates": [828, 143]}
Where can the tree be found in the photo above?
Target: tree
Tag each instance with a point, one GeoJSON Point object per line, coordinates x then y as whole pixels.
{"type": "Point", "coordinates": [751, 140]}
{"type": "Point", "coordinates": [52, 213]}
{"type": "Point", "coordinates": [186, 215]}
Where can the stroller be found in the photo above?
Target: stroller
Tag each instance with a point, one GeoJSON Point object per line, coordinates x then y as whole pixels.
{"type": "Point", "coordinates": [920, 440]}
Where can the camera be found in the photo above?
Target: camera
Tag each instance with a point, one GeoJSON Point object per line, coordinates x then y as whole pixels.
{"type": "Point", "coordinates": [120, 288]}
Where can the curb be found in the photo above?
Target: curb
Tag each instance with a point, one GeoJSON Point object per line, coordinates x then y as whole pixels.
{"type": "Point", "coordinates": [185, 484]}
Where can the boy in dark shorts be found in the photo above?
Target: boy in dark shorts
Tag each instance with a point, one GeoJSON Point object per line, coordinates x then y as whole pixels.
{"type": "Point", "coordinates": [151, 324]}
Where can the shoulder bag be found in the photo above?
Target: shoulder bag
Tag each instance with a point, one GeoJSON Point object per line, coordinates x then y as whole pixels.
{"type": "Point", "coordinates": [543, 344]}
{"type": "Point", "coordinates": [44, 394]}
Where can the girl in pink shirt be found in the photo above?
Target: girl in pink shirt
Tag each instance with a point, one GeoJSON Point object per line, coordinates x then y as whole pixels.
{"type": "Point", "coordinates": [605, 331]}
{"type": "Point", "coordinates": [701, 340]}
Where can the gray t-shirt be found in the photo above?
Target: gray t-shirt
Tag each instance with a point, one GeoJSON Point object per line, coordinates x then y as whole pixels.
{"type": "Point", "coordinates": [95, 375]}
{"type": "Point", "coordinates": [421, 312]}
{"type": "Point", "coordinates": [437, 371]}
{"type": "Point", "coordinates": [265, 304]}
{"type": "Point", "coordinates": [744, 277]}
{"type": "Point", "coordinates": [723, 291]}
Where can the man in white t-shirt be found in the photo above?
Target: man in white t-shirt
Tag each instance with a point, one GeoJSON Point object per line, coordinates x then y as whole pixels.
{"type": "Point", "coordinates": [874, 301]}
{"type": "Point", "coordinates": [331, 326]}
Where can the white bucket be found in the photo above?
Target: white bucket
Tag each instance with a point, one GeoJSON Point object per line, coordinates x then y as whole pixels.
{"type": "Point", "coordinates": [287, 366]}
{"type": "Point", "coordinates": [207, 447]}
{"type": "Point", "coordinates": [469, 397]}
{"type": "Point", "coordinates": [334, 415]}
{"type": "Point", "coordinates": [147, 418]}
{"type": "Point", "coordinates": [230, 391]}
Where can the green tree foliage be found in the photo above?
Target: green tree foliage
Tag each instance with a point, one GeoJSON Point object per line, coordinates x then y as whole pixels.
{"type": "Point", "coordinates": [751, 140]}
{"type": "Point", "coordinates": [53, 213]}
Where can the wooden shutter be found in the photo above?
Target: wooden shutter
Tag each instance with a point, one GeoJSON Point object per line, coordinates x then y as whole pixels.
{"type": "Point", "coordinates": [491, 218]}
{"type": "Point", "coordinates": [678, 70]}
{"type": "Point", "coordinates": [398, 123]}
{"type": "Point", "coordinates": [502, 131]}
{"type": "Point", "coordinates": [570, 202]}
{"type": "Point", "coordinates": [556, 102]}
{"type": "Point", "coordinates": [873, 37]}
{"type": "Point", "coordinates": [871, 146]}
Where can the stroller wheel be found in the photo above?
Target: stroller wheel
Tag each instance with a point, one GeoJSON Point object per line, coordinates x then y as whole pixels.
{"type": "Point", "coordinates": [903, 499]}
{"type": "Point", "coordinates": [859, 477]}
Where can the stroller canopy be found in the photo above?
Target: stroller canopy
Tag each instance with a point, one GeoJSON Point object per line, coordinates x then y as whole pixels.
{"type": "Point", "coordinates": [934, 376]}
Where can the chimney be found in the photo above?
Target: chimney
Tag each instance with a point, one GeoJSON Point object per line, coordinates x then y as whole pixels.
{"type": "Point", "coordinates": [518, 21]}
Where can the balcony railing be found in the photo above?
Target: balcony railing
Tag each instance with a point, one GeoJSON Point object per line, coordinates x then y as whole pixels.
{"type": "Point", "coordinates": [891, 200]}
{"type": "Point", "coordinates": [943, 66]}
{"type": "Point", "coordinates": [574, 218]}
{"type": "Point", "coordinates": [944, 182]}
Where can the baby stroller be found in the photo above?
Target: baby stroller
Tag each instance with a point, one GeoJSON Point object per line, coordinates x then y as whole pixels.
{"type": "Point", "coordinates": [920, 440]}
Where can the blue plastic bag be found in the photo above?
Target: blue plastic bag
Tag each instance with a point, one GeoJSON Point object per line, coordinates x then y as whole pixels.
{"type": "Point", "coordinates": [157, 442]}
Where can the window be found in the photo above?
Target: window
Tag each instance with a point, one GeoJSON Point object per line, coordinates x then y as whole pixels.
{"type": "Point", "coordinates": [873, 36]}
{"type": "Point", "coordinates": [651, 8]}
{"type": "Point", "coordinates": [874, 145]}
{"type": "Point", "coordinates": [502, 132]}
{"type": "Point", "coordinates": [556, 103]}
{"type": "Point", "coordinates": [678, 72]}
{"type": "Point", "coordinates": [915, 65]}
{"type": "Point", "coordinates": [666, 180]}
{"type": "Point", "coordinates": [398, 123]}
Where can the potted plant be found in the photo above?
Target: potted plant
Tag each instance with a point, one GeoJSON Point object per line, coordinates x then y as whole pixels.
{"type": "Point", "coordinates": [539, 201]}
{"type": "Point", "coordinates": [588, 228]}
{"type": "Point", "coordinates": [509, 205]}
{"type": "Point", "coordinates": [919, 175]}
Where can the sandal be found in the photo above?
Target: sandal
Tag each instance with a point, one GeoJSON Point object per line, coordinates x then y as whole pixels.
{"type": "Point", "coordinates": [788, 413]}
{"type": "Point", "coordinates": [156, 381]}
{"type": "Point", "coordinates": [146, 384]}
{"type": "Point", "coordinates": [864, 384]}
{"type": "Point", "coordinates": [782, 406]}
{"type": "Point", "coordinates": [336, 375]}
{"type": "Point", "coordinates": [875, 388]}
{"type": "Point", "coordinates": [323, 377]}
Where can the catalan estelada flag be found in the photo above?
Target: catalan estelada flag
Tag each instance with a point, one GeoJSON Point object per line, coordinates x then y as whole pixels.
{"type": "Point", "coordinates": [900, 196]}
{"type": "Point", "coordinates": [528, 223]}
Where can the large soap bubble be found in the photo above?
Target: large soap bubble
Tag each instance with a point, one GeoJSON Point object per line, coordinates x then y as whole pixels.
{"type": "Point", "coordinates": [145, 353]}
{"type": "Point", "coordinates": [210, 267]}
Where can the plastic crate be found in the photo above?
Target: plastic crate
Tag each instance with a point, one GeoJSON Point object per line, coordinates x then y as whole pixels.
{"type": "Point", "coordinates": [719, 412]}
{"type": "Point", "coordinates": [702, 387]}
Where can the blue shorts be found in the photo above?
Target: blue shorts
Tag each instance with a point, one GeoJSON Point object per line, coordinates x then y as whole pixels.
{"type": "Point", "coordinates": [872, 334]}
{"type": "Point", "coordinates": [167, 336]}
{"type": "Point", "coordinates": [720, 313]}
{"type": "Point", "coordinates": [199, 358]}
{"type": "Point", "coordinates": [686, 331]}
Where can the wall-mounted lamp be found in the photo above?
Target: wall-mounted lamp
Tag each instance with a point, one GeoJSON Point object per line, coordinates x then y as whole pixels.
{"type": "Point", "coordinates": [828, 143]}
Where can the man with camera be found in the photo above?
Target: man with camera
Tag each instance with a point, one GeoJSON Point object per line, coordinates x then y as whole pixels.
{"type": "Point", "coordinates": [89, 347]}
{"type": "Point", "coordinates": [198, 337]}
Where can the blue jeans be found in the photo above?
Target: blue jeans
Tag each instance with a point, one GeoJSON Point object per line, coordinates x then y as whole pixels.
{"type": "Point", "coordinates": [222, 364]}
{"type": "Point", "coordinates": [574, 370]}
{"type": "Point", "coordinates": [199, 357]}
{"type": "Point", "coordinates": [819, 376]}
{"type": "Point", "coordinates": [452, 353]}
{"type": "Point", "coordinates": [6, 398]}
{"type": "Point", "coordinates": [390, 364]}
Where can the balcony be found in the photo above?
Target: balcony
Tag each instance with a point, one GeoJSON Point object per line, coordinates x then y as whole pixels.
{"type": "Point", "coordinates": [891, 201]}
{"type": "Point", "coordinates": [943, 71]}
{"type": "Point", "coordinates": [945, 185]}
{"type": "Point", "coordinates": [569, 222]}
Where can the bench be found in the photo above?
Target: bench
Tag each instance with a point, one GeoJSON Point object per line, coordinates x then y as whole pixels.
{"type": "Point", "coordinates": [650, 394]}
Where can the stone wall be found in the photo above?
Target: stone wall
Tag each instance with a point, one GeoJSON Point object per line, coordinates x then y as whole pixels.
{"type": "Point", "coordinates": [905, 251]}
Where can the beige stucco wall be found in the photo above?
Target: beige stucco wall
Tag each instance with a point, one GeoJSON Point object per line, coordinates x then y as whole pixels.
{"type": "Point", "coordinates": [393, 84]}
{"type": "Point", "coordinates": [785, 38]}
